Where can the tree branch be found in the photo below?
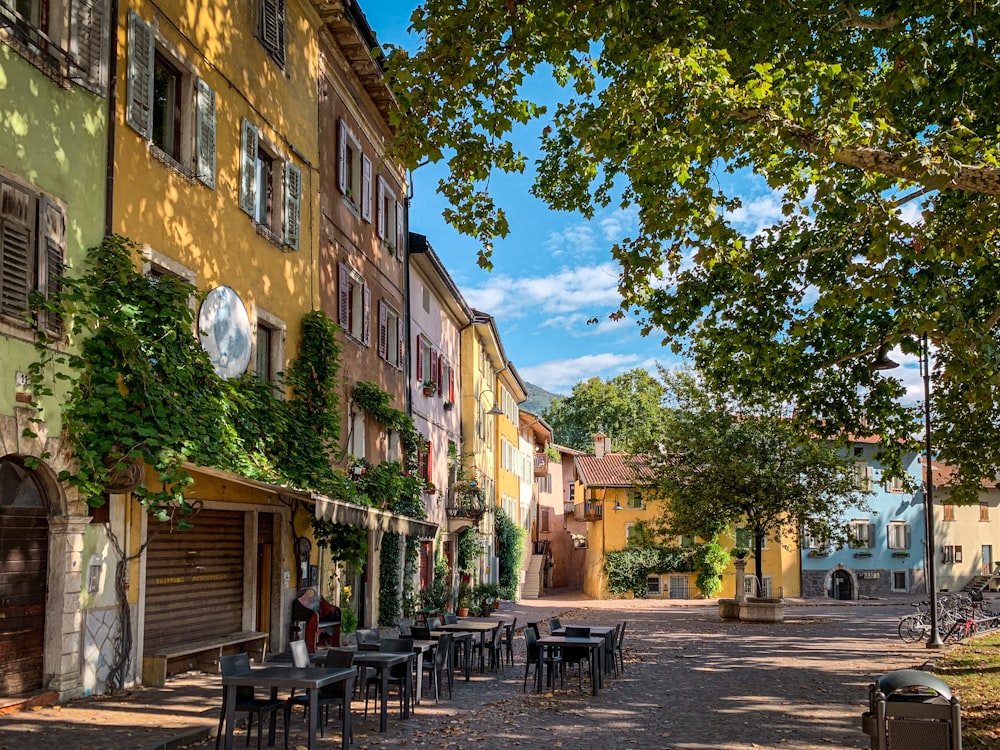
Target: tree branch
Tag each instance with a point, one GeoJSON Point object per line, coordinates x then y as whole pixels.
{"type": "Point", "coordinates": [856, 20]}
{"type": "Point", "coordinates": [968, 177]}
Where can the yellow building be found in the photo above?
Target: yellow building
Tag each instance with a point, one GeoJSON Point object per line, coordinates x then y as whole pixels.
{"type": "Point", "coordinates": [610, 498]}
{"type": "Point", "coordinates": [514, 469]}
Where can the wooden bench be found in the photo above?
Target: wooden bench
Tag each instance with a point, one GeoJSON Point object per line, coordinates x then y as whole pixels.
{"type": "Point", "coordinates": [203, 654]}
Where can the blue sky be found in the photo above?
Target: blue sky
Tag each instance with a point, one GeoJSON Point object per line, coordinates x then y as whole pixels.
{"type": "Point", "coordinates": [554, 270]}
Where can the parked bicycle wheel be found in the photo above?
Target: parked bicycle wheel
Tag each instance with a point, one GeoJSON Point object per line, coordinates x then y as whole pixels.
{"type": "Point", "coordinates": [913, 628]}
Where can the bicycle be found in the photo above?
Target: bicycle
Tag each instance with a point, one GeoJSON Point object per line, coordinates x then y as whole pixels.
{"type": "Point", "coordinates": [915, 627]}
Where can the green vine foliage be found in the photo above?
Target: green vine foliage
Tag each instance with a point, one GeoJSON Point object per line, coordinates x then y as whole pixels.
{"type": "Point", "coordinates": [378, 403]}
{"type": "Point", "coordinates": [510, 549]}
{"type": "Point", "coordinates": [389, 591]}
{"type": "Point", "coordinates": [469, 550]}
{"type": "Point", "coordinates": [411, 599]}
{"type": "Point", "coordinates": [348, 544]}
{"type": "Point", "coordinates": [142, 388]}
{"type": "Point", "coordinates": [710, 560]}
{"type": "Point", "coordinates": [626, 570]}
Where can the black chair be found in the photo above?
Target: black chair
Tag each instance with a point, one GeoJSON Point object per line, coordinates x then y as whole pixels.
{"type": "Point", "coordinates": [450, 618]}
{"type": "Point", "coordinates": [495, 649]}
{"type": "Point", "coordinates": [508, 640]}
{"type": "Point", "coordinates": [618, 645]}
{"type": "Point", "coordinates": [367, 639]}
{"type": "Point", "coordinates": [331, 695]}
{"type": "Point", "coordinates": [439, 665]}
{"type": "Point", "coordinates": [404, 627]}
{"type": "Point", "coordinates": [554, 624]}
{"type": "Point", "coordinates": [397, 674]}
{"type": "Point", "coordinates": [237, 665]}
{"type": "Point", "coordinates": [434, 623]}
{"type": "Point", "coordinates": [535, 657]}
{"type": "Point", "coordinates": [609, 649]}
{"type": "Point", "coordinates": [420, 632]}
{"type": "Point", "coordinates": [577, 654]}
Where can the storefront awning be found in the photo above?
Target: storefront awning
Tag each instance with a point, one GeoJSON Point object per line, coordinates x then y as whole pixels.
{"type": "Point", "coordinates": [335, 511]}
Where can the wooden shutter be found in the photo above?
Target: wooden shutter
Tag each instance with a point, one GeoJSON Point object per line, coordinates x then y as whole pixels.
{"type": "Point", "coordinates": [399, 342]}
{"type": "Point", "coordinates": [420, 359]}
{"type": "Point", "coordinates": [272, 28]}
{"type": "Point", "coordinates": [342, 157]}
{"type": "Point", "coordinates": [248, 168]}
{"type": "Point", "coordinates": [871, 536]}
{"type": "Point", "coordinates": [141, 52]}
{"type": "Point", "coordinates": [906, 536]}
{"type": "Point", "coordinates": [439, 378]}
{"type": "Point", "coordinates": [451, 383]}
{"type": "Point", "coordinates": [383, 325]}
{"type": "Point", "coordinates": [52, 261]}
{"type": "Point", "coordinates": [343, 296]}
{"type": "Point", "coordinates": [434, 365]}
{"type": "Point", "coordinates": [380, 208]}
{"type": "Point", "coordinates": [205, 133]}
{"type": "Point", "coordinates": [89, 43]}
{"type": "Point", "coordinates": [293, 204]}
{"type": "Point", "coordinates": [430, 455]}
{"type": "Point", "coordinates": [366, 325]}
{"type": "Point", "coordinates": [366, 188]}
{"type": "Point", "coordinates": [17, 249]}
{"type": "Point", "coordinates": [400, 235]}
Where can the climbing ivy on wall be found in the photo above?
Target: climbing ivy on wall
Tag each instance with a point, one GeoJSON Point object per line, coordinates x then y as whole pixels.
{"type": "Point", "coordinates": [510, 548]}
{"type": "Point", "coordinates": [389, 599]}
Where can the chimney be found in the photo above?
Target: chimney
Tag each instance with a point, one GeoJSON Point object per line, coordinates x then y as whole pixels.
{"type": "Point", "coordinates": [602, 445]}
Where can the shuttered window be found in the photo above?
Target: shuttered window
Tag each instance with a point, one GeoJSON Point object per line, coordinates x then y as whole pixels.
{"type": "Point", "coordinates": [271, 29]}
{"type": "Point", "coordinates": [270, 189]}
{"type": "Point", "coordinates": [33, 246]}
{"type": "Point", "coordinates": [354, 304]}
{"type": "Point", "coordinates": [205, 134]}
{"type": "Point", "coordinates": [89, 43]}
{"type": "Point", "coordinates": [293, 198]}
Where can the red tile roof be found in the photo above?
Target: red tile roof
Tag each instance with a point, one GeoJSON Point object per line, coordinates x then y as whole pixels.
{"type": "Point", "coordinates": [613, 470]}
{"type": "Point", "coordinates": [942, 474]}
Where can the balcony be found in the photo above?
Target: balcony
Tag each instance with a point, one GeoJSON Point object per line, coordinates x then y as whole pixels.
{"type": "Point", "coordinates": [541, 464]}
{"type": "Point", "coordinates": [591, 510]}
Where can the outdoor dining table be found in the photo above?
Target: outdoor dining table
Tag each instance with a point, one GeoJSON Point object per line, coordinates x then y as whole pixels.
{"type": "Point", "coordinates": [596, 644]}
{"type": "Point", "coordinates": [310, 679]}
{"type": "Point", "coordinates": [458, 636]}
{"type": "Point", "coordinates": [605, 631]}
{"type": "Point", "coordinates": [476, 626]}
{"type": "Point", "coordinates": [381, 661]}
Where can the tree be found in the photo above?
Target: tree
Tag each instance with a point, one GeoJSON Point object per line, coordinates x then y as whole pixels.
{"type": "Point", "coordinates": [627, 408]}
{"type": "Point", "coordinates": [873, 123]}
{"type": "Point", "coordinates": [721, 467]}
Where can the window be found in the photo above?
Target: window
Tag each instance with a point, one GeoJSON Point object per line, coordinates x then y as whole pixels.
{"type": "Point", "coordinates": [862, 534]}
{"type": "Point", "coordinates": [654, 586]}
{"type": "Point", "coordinates": [354, 299]}
{"type": "Point", "coordinates": [984, 512]}
{"type": "Point", "coordinates": [951, 553]}
{"type": "Point", "coordinates": [269, 346]}
{"type": "Point", "coordinates": [900, 581]}
{"type": "Point", "coordinates": [356, 434]}
{"type": "Point", "coordinates": [948, 513]}
{"type": "Point", "coordinates": [262, 366]}
{"type": "Point", "coordinates": [390, 218]}
{"type": "Point", "coordinates": [633, 535]}
{"type": "Point", "coordinates": [426, 364]}
{"type": "Point", "coordinates": [64, 38]}
{"type": "Point", "coordinates": [750, 587]}
{"type": "Point", "coordinates": [898, 534]}
{"type": "Point", "coordinates": [743, 538]}
{"type": "Point", "coordinates": [685, 542]}
{"type": "Point", "coordinates": [270, 189]}
{"type": "Point", "coordinates": [390, 335]}
{"type": "Point", "coordinates": [679, 587]}
{"type": "Point", "coordinates": [426, 300]}
{"type": "Point", "coordinates": [894, 485]}
{"type": "Point", "coordinates": [271, 29]}
{"type": "Point", "coordinates": [168, 105]}
{"type": "Point", "coordinates": [354, 176]}
{"type": "Point", "coordinates": [634, 500]}
{"type": "Point", "coordinates": [544, 518]}
{"type": "Point", "coordinates": [32, 252]}
{"type": "Point", "coordinates": [392, 449]}
{"type": "Point", "coordinates": [808, 540]}
{"type": "Point", "coordinates": [864, 476]}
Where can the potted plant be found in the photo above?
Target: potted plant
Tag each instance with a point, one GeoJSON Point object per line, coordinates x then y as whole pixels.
{"type": "Point", "coordinates": [448, 405]}
{"type": "Point", "coordinates": [488, 595]}
{"type": "Point", "coordinates": [464, 599]}
{"type": "Point", "coordinates": [430, 387]}
{"type": "Point", "coordinates": [430, 488]}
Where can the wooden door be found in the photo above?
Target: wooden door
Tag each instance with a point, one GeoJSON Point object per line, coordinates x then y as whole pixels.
{"type": "Point", "coordinates": [24, 553]}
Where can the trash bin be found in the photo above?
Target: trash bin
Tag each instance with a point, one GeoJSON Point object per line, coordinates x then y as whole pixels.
{"type": "Point", "coordinates": [912, 710]}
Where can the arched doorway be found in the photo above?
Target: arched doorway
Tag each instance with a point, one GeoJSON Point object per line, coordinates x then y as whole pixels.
{"type": "Point", "coordinates": [24, 553]}
{"type": "Point", "coordinates": [841, 585]}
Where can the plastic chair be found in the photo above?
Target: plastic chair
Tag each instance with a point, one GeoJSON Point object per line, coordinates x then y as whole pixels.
{"type": "Point", "coordinates": [420, 633]}
{"type": "Point", "coordinates": [368, 639]}
{"type": "Point", "coordinates": [439, 665]}
{"type": "Point", "coordinates": [495, 649]}
{"type": "Point", "coordinates": [397, 674]}
{"type": "Point", "coordinates": [618, 646]}
{"type": "Point", "coordinates": [330, 695]}
{"type": "Point", "coordinates": [404, 627]}
{"type": "Point", "coordinates": [433, 623]}
{"type": "Point", "coordinates": [450, 618]}
{"type": "Point", "coordinates": [508, 640]}
{"type": "Point", "coordinates": [610, 640]}
{"type": "Point", "coordinates": [237, 665]}
{"type": "Point", "coordinates": [554, 624]}
{"type": "Point", "coordinates": [534, 657]}
{"type": "Point", "coordinates": [577, 654]}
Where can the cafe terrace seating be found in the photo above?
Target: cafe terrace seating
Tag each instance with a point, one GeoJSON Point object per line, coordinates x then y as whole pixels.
{"type": "Point", "coordinates": [332, 695]}
{"type": "Point", "coordinates": [246, 701]}
{"type": "Point", "coordinates": [397, 674]}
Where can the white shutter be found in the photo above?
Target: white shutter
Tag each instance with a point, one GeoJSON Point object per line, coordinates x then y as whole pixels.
{"type": "Point", "coordinates": [383, 333]}
{"type": "Point", "coordinates": [248, 168]}
{"type": "Point", "coordinates": [380, 208]}
{"type": "Point", "coordinates": [400, 233]}
{"type": "Point", "coordinates": [344, 297]}
{"type": "Point", "coordinates": [293, 203]}
{"type": "Point", "coordinates": [51, 261]}
{"type": "Point", "coordinates": [89, 43]}
{"type": "Point", "coordinates": [366, 188]}
{"type": "Point", "coordinates": [272, 28]}
{"type": "Point", "coordinates": [205, 133]}
{"type": "Point", "coordinates": [366, 325]}
{"type": "Point", "coordinates": [17, 244]}
{"type": "Point", "coordinates": [342, 157]}
{"type": "Point", "coordinates": [141, 51]}
{"type": "Point", "coordinates": [399, 342]}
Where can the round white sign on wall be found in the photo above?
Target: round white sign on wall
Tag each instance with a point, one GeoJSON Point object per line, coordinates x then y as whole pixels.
{"type": "Point", "coordinates": [225, 332]}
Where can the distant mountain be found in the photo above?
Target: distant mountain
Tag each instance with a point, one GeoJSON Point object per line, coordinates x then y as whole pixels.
{"type": "Point", "coordinates": [539, 399]}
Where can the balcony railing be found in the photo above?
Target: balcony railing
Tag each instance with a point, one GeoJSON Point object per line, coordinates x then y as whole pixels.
{"type": "Point", "coordinates": [591, 510]}
{"type": "Point", "coordinates": [541, 464]}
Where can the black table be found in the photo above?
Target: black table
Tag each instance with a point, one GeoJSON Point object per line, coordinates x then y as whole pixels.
{"type": "Point", "coordinates": [596, 645]}
{"type": "Point", "coordinates": [475, 626]}
{"type": "Point", "coordinates": [605, 631]}
{"type": "Point", "coordinates": [463, 637]}
{"type": "Point", "coordinates": [381, 661]}
{"type": "Point", "coordinates": [310, 679]}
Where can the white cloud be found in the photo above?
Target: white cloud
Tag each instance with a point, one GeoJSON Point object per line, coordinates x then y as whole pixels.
{"type": "Point", "coordinates": [756, 213]}
{"type": "Point", "coordinates": [572, 240]}
{"type": "Point", "coordinates": [619, 223]}
{"type": "Point", "coordinates": [560, 375]}
{"type": "Point", "coordinates": [568, 290]}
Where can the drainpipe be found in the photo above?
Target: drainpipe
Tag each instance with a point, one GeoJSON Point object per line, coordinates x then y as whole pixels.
{"type": "Point", "coordinates": [408, 386]}
{"type": "Point", "coordinates": [109, 176]}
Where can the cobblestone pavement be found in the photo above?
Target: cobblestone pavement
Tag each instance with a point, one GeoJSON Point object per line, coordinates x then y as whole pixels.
{"type": "Point", "coordinates": [691, 682]}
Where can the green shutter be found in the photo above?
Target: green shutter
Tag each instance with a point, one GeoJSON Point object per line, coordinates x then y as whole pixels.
{"type": "Point", "coordinates": [205, 133]}
{"type": "Point", "coordinates": [89, 43]}
{"type": "Point", "coordinates": [17, 254]}
{"type": "Point", "coordinates": [141, 53]}
{"type": "Point", "coordinates": [293, 203]}
{"type": "Point", "coordinates": [52, 261]}
{"type": "Point", "coordinates": [248, 168]}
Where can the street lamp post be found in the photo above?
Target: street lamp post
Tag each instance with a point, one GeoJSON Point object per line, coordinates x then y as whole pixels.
{"type": "Point", "coordinates": [884, 363]}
